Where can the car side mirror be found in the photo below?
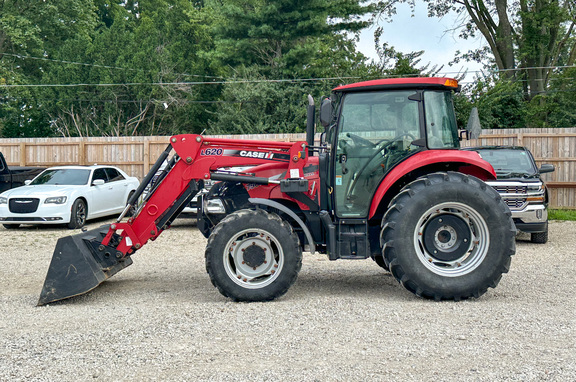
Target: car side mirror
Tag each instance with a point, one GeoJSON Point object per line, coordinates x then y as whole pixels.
{"type": "Point", "coordinates": [474, 128]}
{"type": "Point", "coordinates": [27, 181]}
{"type": "Point", "coordinates": [546, 168]}
{"type": "Point", "coordinates": [98, 182]}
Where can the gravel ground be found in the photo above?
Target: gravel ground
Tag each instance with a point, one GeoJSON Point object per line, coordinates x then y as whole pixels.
{"type": "Point", "coordinates": [161, 319]}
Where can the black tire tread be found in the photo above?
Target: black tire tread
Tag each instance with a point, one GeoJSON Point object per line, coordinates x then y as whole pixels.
{"type": "Point", "coordinates": [394, 213]}
{"type": "Point", "coordinates": [269, 219]}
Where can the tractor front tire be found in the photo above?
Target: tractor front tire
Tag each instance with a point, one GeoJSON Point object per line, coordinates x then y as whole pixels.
{"type": "Point", "coordinates": [448, 236]}
{"type": "Point", "coordinates": [253, 255]}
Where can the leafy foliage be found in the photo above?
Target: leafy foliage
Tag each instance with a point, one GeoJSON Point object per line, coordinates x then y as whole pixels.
{"type": "Point", "coordinates": [126, 67]}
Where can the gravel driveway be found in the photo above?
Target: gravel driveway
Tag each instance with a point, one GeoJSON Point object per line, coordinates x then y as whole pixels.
{"type": "Point", "coordinates": [161, 319]}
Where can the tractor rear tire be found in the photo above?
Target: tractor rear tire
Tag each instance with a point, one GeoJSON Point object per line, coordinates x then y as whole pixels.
{"type": "Point", "coordinates": [253, 255]}
{"type": "Point", "coordinates": [448, 236]}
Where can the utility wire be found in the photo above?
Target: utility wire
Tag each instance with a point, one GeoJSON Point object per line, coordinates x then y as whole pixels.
{"type": "Point", "coordinates": [181, 83]}
{"type": "Point", "coordinates": [96, 65]}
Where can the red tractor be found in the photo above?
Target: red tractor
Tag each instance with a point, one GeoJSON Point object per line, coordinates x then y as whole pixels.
{"type": "Point", "coordinates": [387, 181]}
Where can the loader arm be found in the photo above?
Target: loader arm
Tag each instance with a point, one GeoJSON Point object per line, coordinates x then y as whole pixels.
{"type": "Point", "coordinates": [81, 262]}
{"type": "Point", "coordinates": [200, 158]}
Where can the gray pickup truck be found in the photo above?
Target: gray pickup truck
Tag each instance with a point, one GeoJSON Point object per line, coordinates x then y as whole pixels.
{"type": "Point", "coordinates": [11, 177]}
{"type": "Point", "coordinates": [521, 187]}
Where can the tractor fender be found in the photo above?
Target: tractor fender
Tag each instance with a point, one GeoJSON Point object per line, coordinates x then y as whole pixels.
{"type": "Point", "coordinates": [468, 164]}
{"type": "Point", "coordinates": [289, 212]}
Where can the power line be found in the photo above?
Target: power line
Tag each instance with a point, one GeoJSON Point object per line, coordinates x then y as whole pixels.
{"type": "Point", "coordinates": [96, 65]}
{"type": "Point", "coordinates": [180, 83]}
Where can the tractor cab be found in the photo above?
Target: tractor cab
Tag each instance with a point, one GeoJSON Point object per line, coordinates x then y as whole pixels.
{"type": "Point", "coordinates": [375, 125]}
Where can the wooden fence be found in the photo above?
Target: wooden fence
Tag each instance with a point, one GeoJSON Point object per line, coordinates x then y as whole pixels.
{"type": "Point", "coordinates": [135, 155]}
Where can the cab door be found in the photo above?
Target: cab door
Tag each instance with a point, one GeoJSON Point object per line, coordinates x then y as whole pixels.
{"type": "Point", "coordinates": [375, 132]}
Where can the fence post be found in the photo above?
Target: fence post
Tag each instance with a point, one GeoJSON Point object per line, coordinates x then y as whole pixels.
{"type": "Point", "coordinates": [81, 153]}
{"type": "Point", "coordinates": [22, 154]}
{"type": "Point", "coordinates": [146, 157]}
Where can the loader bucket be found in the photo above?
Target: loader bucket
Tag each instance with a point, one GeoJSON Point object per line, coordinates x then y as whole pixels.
{"type": "Point", "coordinates": [79, 264]}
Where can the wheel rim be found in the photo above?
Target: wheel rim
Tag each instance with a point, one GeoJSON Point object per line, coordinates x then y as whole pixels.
{"type": "Point", "coordinates": [451, 239]}
{"type": "Point", "coordinates": [80, 214]}
{"type": "Point", "coordinates": [253, 258]}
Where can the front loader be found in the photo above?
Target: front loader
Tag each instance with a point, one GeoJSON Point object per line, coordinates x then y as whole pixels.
{"type": "Point", "coordinates": [387, 181]}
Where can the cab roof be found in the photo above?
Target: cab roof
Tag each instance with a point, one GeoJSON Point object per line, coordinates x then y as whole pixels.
{"type": "Point", "coordinates": [401, 83]}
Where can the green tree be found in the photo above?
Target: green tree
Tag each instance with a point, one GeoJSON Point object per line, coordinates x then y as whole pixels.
{"type": "Point", "coordinates": [535, 36]}
{"type": "Point", "coordinates": [148, 53]}
{"type": "Point", "coordinates": [282, 35]}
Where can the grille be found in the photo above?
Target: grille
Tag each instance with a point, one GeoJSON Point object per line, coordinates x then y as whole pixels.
{"type": "Point", "coordinates": [23, 205]}
{"type": "Point", "coordinates": [510, 189]}
{"type": "Point", "coordinates": [515, 203]}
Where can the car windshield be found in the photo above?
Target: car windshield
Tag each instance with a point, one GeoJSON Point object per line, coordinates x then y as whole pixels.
{"type": "Point", "coordinates": [509, 162]}
{"type": "Point", "coordinates": [63, 176]}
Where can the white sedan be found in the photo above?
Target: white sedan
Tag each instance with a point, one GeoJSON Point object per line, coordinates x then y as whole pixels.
{"type": "Point", "coordinates": [67, 195]}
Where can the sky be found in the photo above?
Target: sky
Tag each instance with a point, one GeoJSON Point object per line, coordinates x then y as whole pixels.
{"type": "Point", "coordinates": [408, 34]}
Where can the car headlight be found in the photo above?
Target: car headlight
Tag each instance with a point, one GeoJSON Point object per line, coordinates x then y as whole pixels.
{"type": "Point", "coordinates": [3, 200]}
{"type": "Point", "coordinates": [56, 200]}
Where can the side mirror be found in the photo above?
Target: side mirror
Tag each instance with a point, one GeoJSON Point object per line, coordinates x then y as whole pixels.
{"type": "Point", "coordinates": [27, 181]}
{"type": "Point", "coordinates": [546, 168]}
{"type": "Point", "coordinates": [98, 182]}
{"type": "Point", "coordinates": [326, 112]}
{"type": "Point", "coordinates": [474, 129]}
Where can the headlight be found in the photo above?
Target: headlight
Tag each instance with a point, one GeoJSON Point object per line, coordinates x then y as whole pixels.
{"type": "Point", "coordinates": [3, 200]}
{"type": "Point", "coordinates": [56, 200]}
{"type": "Point", "coordinates": [214, 206]}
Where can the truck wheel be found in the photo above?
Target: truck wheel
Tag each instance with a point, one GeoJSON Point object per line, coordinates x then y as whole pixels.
{"type": "Point", "coordinates": [78, 214]}
{"type": "Point", "coordinates": [253, 255]}
{"type": "Point", "coordinates": [539, 237]}
{"type": "Point", "coordinates": [448, 236]}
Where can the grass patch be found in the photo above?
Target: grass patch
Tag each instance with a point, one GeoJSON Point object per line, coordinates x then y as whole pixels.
{"type": "Point", "coordinates": [562, 215]}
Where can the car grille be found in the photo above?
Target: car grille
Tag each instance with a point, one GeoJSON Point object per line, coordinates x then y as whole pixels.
{"type": "Point", "coordinates": [511, 189]}
{"type": "Point", "coordinates": [23, 205]}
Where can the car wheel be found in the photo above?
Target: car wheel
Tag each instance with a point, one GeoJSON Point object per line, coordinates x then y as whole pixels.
{"type": "Point", "coordinates": [539, 237]}
{"type": "Point", "coordinates": [78, 214]}
{"type": "Point", "coordinates": [11, 226]}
